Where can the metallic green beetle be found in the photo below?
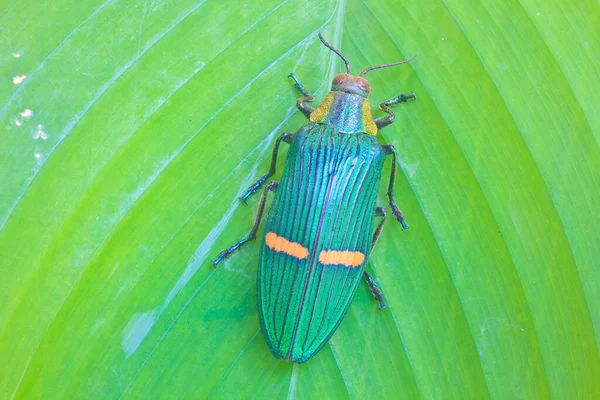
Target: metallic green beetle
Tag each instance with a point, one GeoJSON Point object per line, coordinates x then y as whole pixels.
{"type": "Point", "coordinates": [320, 228]}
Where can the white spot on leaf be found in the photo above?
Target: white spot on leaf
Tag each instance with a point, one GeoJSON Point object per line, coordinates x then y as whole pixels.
{"type": "Point", "coordinates": [40, 133]}
{"type": "Point", "coordinates": [17, 80]}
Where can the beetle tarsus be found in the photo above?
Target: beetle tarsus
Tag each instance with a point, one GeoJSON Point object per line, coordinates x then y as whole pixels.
{"type": "Point", "coordinates": [225, 253]}
{"type": "Point", "coordinates": [375, 290]}
{"type": "Point", "coordinates": [254, 188]}
{"type": "Point", "coordinates": [403, 98]}
{"type": "Point", "coordinates": [285, 137]}
{"type": "Point", "coordinates": [306, 109]}
{"type": "Point", "coordinates": [217, 260]}
{"type": "Point", "coordinates": [299, 86]}
{"type": "Point", "coordinates": [385, 106]}
{"type": "Point", "coordinates": [399, 216]}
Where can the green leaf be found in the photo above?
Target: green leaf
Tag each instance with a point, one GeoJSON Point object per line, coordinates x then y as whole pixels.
{"type": "Point", "coordinates": [129, 129]}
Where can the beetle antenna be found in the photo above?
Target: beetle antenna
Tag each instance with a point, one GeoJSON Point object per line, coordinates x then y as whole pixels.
{"type": "Point", "coordinates": [336, 51]}
{"type": "Point", "coordinates": [364, 71]}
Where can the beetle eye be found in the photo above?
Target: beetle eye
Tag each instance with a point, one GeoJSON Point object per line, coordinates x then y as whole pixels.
{"type": "Point", "coordinates": [363, 84]}
{"type": "Point", "coordinates": [340, 79]}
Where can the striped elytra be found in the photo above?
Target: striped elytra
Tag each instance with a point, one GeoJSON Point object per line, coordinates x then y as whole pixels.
{"type": "Point", "coordinates": [325, 202]}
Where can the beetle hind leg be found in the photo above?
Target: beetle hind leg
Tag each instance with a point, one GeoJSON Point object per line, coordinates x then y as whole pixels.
{"type": "Point", "coordinates": [379, 212]}
{"type": "Point", "coordinates": [374, 290]}
{"type": "Point", "coordinates": [271, 186]}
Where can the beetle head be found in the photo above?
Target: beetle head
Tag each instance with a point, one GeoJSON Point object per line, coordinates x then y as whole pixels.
{"type": "Point", "coordinates": [355, 84]}
{"type": "Point", "coordinates": [351, 84]}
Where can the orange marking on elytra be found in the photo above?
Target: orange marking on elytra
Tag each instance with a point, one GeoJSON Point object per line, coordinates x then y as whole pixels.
{"type": "Point", "coordinates": [282, 245]}
{"type": "Point", "coordinates": [348, 258]}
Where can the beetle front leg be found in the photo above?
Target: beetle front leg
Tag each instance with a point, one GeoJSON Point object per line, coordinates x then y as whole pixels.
{"type": "Point", "coordinates": [271, 186]}
{"type": "Point", "coordinates": [391, 150]}
{"type": "Point", "coordinates": [286, 137]}
{"type": "Point", "coordinates": [385, 106]}
{"type": "Point", "coordinates": [307, 97]}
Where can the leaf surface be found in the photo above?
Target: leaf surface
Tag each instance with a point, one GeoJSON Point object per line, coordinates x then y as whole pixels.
{"type": "Point", "coordinates": [129, 129]}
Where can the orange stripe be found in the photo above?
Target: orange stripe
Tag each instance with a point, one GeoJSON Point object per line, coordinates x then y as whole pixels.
{"type": "Point", "coordinates": [348, 258]}
{"type": "Point", "coordinates": [282, 245]}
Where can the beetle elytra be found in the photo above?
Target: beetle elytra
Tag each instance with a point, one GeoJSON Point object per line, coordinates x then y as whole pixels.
{"type": "Point", "coordinates": [320, 227]}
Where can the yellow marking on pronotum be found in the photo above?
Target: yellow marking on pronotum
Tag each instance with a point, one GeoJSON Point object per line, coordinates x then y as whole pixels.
{"type": "Point", "coordinates": [282, 245]}
{"type": "Point", "coordinates": [321, 112]}
{"type": "Point", "coordinates": [367, 119]}
{"type": "Point", "coordinates": [348, 258]}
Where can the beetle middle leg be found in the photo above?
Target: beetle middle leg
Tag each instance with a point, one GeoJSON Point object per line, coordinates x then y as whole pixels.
{"type": "Point", "coordinates": [385, 106]}
{"type": "Point", "coordinates": [307, 97]}
{"type": "Point", "coordinates": [389, 149]}
{"type": "Point", "coordinates": [286, 137]}
{"type": "Point", "coordinates": [271, 186]}
{"type": "Point", "coordinates": [379, 212]}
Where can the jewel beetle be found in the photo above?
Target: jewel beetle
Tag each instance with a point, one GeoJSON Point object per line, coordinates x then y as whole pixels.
{"type": "Point", "coordinates": [320, 227]}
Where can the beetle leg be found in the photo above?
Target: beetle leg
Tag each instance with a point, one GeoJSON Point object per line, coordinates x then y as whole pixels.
{"type": "Point", "coordinates": [286, 137]}
{"type": "Point", "coordinates": [390, 149]}
{"type": "Point", "coordinates": [307, 97]}
{"type": "Point", "coordinates": [271, 186]}
{"type": "Point", "coordinates": [374, 290]}
{"type": "Point", "coordinates": [379, 212]}
{"type": "Point", "coordinates": [385, 106]}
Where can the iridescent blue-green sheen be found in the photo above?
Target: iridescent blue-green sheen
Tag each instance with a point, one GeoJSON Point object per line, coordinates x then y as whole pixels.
{"type": "Point", "coordinates": [325, 201]}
